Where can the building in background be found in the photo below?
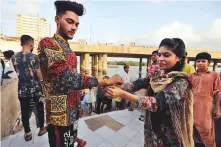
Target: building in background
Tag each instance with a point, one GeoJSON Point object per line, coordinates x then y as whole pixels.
{"type": "Point", "coordinates": [33, 26]}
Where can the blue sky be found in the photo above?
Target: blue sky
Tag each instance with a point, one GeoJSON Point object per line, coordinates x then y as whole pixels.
{"type": "Point", "coordinates": [145, 22]}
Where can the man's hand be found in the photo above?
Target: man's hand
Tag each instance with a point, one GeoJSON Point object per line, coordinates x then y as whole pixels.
{"type": "Point", "coordinates": [216, 113]}
{"type": "Point", "coordinates": [120, 86]}
{"type": "Point", "coordinates": [116, 79]}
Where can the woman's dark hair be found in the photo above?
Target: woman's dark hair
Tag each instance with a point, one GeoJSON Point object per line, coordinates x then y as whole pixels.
{"type": "Point", "coordinates": [203, 55]}
{"type": "Point", "coordinates": [155, 52]}
{"type": "Point", "coordinates": [177, 46]}
{"type": "Point", "coordinates": [63, 6]}
{"type": "Point", "coordinates": [25, 39]}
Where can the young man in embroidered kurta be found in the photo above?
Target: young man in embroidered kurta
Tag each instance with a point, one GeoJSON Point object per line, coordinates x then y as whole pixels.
{"type": "Point", "coordinates": [30, 94]}
{"type": "Point", "coordinates": [206, 87]}
{"type": "Point", "coordinates": [62, 83]}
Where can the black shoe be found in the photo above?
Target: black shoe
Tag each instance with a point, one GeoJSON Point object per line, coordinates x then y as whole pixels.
{"type": "Point", "coordinates": [141, 119]}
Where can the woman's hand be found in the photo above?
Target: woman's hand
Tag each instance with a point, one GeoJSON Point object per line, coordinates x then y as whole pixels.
{"type": "Point", "coordinates": [113, 92]}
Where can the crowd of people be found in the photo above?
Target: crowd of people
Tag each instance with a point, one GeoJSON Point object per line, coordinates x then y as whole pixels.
{"type": "Point", "coordinates": [178, 110]}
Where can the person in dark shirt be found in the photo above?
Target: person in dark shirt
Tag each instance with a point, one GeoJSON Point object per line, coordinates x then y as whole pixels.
{"type": "Point", "coordinates": [3, 69]}
{"type": "Point", "coordinates": [30, 94]}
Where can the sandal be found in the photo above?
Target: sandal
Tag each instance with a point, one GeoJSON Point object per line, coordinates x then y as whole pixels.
{"type": "Point", "coordinates": [40, 134]}
{"type": "Point", "coordinates": [28, 136]}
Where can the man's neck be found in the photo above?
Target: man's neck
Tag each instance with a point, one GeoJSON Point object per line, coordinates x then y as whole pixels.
{"type": "Point", "coordinates": [25, 50]}
{"type": "Point", "coordinates": [62, 35]}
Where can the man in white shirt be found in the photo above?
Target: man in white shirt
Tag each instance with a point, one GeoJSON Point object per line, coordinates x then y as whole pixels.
{"type": "Point", "coordinates": [126, 79]}
{"type": "Point", "coordinates": [125, 76]}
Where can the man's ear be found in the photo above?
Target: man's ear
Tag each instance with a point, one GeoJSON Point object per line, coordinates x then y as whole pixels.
{"type": "Point", "coordinates": [209, 63]}
{"type": "Point", "coordinates": [179, 59]}
{"type": "Point", "coordinates": [57, 19]}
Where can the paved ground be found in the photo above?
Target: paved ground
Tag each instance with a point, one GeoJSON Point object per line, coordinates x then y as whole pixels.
{"type": "Point", "coordinates": [113, 129]}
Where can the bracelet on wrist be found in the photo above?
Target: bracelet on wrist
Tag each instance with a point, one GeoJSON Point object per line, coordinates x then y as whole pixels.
{"type": "Point", "coordinates": [105, 82]}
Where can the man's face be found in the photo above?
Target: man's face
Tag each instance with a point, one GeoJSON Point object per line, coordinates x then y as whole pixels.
{"type": "Point", "coordinates": [202, 64]}
{"type": "Point", "coordinates": [154, 57]}
{"type": "Point", "coordinates": [126, 69]}
{"type": "Point", "coordinates": [67, 24]}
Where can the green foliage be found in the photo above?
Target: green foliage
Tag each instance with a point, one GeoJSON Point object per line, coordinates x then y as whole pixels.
{"type": "Point", "coordinates": [130, 63]}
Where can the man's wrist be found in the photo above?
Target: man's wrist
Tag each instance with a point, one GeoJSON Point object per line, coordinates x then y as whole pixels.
{"type": "Point", "coordinates": [105, 82]}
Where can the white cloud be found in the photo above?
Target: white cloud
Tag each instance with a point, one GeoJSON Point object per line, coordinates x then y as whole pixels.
{"type": "Point", "coordinates": [215, 30]}
{"type": "Point", "coordinates": [178, 29]}
{"type": "Point", "coordinates": [209, 38]}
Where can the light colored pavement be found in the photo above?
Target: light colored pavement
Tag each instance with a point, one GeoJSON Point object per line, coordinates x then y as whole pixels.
{"type": "Point", "coordinates": [113, 129]}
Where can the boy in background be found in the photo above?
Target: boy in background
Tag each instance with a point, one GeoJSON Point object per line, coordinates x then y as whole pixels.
{"type": "Point", "coordinates": [206, 87]}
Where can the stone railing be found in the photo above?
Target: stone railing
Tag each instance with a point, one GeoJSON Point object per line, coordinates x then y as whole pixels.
{"type": "Point", "coordinates": [10, 107]}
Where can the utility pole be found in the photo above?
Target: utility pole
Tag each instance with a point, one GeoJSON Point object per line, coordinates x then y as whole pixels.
{"type": "Point", "coordinates": [90, 32]}
{"type": "Point", "coordinates": [2, 16]}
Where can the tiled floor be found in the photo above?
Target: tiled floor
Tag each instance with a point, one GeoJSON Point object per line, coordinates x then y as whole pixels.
{"type": "Point", "coordinates": [116, 129]}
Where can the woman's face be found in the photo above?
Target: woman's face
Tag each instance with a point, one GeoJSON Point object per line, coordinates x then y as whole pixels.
{"type": "Point", "coordinates": [166, 58]}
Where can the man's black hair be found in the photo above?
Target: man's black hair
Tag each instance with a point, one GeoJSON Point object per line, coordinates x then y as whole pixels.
{"type": "Point", "coordinates": [25, 39]}
{"type": "Point", "coordinates": [8, 54]}
{"type": "Point", "coordinates": [155, 52]}
{"type": "Point", "coordinates": [63, 6]}
{"type": "Point", "coordinates": [203, 55]}
{"type": "Point", "coordinates": [126, 66]}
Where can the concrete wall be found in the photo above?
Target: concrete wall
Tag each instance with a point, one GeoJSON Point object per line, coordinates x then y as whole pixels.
{"type": "Point", "coordinates": [10, 107]}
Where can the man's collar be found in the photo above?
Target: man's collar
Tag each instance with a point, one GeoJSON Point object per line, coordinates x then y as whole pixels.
{"type": "Point", "coordinates": [60, 38]}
